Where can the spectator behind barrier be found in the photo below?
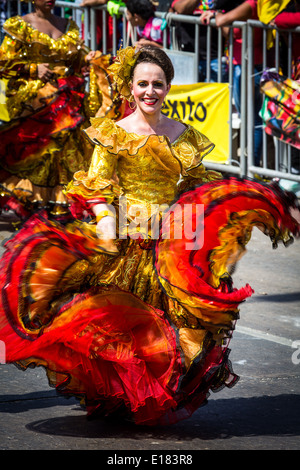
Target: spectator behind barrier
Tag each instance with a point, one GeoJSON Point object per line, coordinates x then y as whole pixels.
{"type": "Point", "coordinates": [246, 10]}
{"type": "Point", "coordinates": [287, 18]}
{"type": "Point", "coordinates": [186, 34]}
{"type": "Point", "coordinates": [140, 14]}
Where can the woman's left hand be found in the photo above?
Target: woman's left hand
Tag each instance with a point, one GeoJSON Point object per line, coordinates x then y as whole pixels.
{"type": "Point", "coordinates": [90, 56]}
{"type": "Point", "coordinates": [85, 70]}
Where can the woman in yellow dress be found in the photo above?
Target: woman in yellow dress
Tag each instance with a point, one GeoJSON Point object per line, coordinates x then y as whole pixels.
{"type": "Point", "coordinates": [43, 62]}
{"type": "Point", "coordinates": [132, 307]}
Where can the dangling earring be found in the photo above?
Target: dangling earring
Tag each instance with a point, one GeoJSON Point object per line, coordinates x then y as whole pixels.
{"type": "Point", "coordinates": [132, 104]}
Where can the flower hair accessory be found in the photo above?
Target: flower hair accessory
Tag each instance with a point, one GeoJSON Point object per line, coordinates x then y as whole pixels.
{"type": "Point", "coordinates": [121, 70]}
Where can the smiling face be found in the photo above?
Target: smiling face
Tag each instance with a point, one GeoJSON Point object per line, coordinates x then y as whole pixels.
{"type": "Point", "coordinates": [149, 87]}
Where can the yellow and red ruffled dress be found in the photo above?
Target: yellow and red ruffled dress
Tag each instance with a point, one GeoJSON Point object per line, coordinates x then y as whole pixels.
{"type": "Point", "coordinates": [142, 331]}
{"type": "Point", "coordinates": [41, 141]}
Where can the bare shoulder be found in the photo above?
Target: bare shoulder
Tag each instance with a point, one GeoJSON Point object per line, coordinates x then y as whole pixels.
{"type": "Point", "coordinates": [176, 125]}
{"type": "Point", "coordinates": [45, 25]}
{"type": "Point", "coordinates": [127, 123]}
{"type": "Point", "coordinates": [168, 127]}
{"type": "Point", "coordinates": [173, 129]}
{"type": "Point", "coordinates": [29, 18]}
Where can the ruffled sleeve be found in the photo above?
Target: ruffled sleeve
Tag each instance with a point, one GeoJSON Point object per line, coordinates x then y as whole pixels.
{"type": "Point", "coordinates": [190, 149]}
{"type": "Point", "coordinates": [14, 56]}
{"type": "Point", "coordinates": [13, 48]}
{"type": "Point", "coordinates": [16, 27]}
{"type": "Point", "coordinates": [99, 184]}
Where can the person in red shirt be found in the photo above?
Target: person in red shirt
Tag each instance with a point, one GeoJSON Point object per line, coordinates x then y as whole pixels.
{"type": "Point", "coordinates": [289, 19]}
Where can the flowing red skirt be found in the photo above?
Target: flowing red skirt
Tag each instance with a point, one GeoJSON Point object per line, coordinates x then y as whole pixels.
{"type": "Point", "coordinates": [105, 344]}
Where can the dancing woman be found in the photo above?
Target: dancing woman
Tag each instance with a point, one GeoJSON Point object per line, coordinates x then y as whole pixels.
{"type": "Point", "coordinates": [134, 316]}
{"type": "Point", "coordinates": [43, 62]}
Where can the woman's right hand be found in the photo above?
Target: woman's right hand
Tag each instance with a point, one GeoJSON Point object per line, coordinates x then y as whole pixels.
{"type": "Point", "coordinates": [91, 55]}
{"type": "Point", "coordinates": [44, 73]}
{"type": "Point", "coordinates": [106, 232]}
{"type": "Point", "coordinates": [106, 228]}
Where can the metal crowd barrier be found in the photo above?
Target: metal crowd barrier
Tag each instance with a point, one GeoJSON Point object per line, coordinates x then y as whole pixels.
{"type": "Point", "coordinates": [235, 164]}
{"type": "Point", "coordinates": [276, 161]}
{"type": "Point", "coordinates": [239, 162]}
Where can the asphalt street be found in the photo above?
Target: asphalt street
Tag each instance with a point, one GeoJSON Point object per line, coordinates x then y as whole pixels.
{"type": "Point", "coordinates": [261, 412]}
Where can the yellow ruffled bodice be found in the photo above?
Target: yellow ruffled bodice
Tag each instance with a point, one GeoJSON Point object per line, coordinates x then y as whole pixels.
{"type": "Point", "coordinates": [144, 169]}
{"type": "Point", "coordinates": [31, 45]}
{"type": "Point", "coordinates": [25, 45]}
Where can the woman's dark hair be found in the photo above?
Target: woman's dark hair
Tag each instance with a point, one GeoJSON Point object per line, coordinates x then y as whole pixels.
{"type": "Point", "coordinates": [155, 55]}
{"type": "Point", "coordinates": [144, 8]}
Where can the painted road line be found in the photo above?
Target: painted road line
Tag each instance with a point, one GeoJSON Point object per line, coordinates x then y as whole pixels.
{"type": "Point", "coordinates": [266, 336]}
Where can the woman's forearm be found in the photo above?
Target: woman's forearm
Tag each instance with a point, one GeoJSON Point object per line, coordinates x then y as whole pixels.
{"type": "Point", "coordinates": [241, 13]}
{"type": "Point", "coordinates": [98, 208]}
{"type": "Point", "coordinates": [185, 7]}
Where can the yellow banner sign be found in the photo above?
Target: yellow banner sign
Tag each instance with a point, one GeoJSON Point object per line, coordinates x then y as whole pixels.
{"type": "Point", "coordinates": [205, 106]}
